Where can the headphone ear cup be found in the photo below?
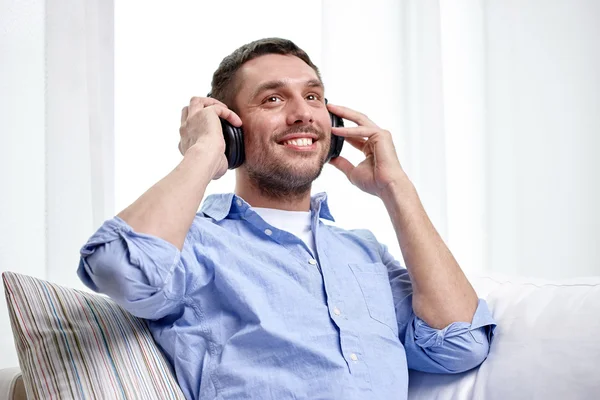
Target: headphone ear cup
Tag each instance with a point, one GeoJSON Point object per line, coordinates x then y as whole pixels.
{"type": "Point", "coordinates": [337, 142]}
{"type": "Point", "coordinates": [234, 144]}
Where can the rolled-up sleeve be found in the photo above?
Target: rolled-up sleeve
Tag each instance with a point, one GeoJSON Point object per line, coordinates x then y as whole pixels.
{"type": "Point", "coordinates": [458, 347]}
{"type": "Point", "coordinates": [142, 273]}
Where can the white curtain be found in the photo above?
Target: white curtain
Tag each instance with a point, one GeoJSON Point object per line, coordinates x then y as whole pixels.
{"type": "Point", "coordinates": [22, 149]}
{"type": "Point", "coordinates": [494, 110]}
{"type": "Point", "coordinates": [79, 129]}
{"type": "Point", "coordinates": [419, 72]}
{"type": "Point", "coordinates": [56, 138]}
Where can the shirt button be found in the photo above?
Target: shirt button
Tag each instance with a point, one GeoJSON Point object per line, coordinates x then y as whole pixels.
{"type": "Point", "coordinates": [268, 232]}
{"type": "Point", "coordinates": [354, 357]}
{"type": "Point", "coordinates": [337, 311]}
{"type": "Point", "coordinates": [238, 202]}
{"type": "Point", "coordinates": [312, 261]}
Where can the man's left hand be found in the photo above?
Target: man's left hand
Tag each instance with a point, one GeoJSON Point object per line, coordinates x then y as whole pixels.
{"type": "Point", "coordinates": [381, 167]}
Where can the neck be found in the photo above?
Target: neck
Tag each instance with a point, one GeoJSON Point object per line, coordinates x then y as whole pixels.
{"type": "Point", "coordinates": [245, 189]}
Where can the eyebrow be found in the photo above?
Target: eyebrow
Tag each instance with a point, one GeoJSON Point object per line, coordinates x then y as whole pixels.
{"type": "Point", "coordinates": [277, 84]}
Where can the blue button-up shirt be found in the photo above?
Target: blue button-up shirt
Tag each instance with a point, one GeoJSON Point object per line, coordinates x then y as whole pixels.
{"type": "Point", "coordinates": [246, 311]}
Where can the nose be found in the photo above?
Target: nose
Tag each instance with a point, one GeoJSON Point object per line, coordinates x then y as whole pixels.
{"type": "Point", "coordinates": [300, 112]}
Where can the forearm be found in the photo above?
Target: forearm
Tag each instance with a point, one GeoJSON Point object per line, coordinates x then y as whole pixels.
{"type": "Point", "coordinates": [167, 209]}
{"type": "Point", "coordinates": [441, 292]}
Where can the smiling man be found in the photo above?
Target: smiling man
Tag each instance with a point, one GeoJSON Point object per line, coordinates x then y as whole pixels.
{"type": "Point", "coordinates": [254, 297]}
{"type": "Point", "coordinates": [283, 163]}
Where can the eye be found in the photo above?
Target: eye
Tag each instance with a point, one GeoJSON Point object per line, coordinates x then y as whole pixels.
{"type": "Point", "coordinates": [272, 99]}
{"type": "Point", "coordinates": [312, 97]}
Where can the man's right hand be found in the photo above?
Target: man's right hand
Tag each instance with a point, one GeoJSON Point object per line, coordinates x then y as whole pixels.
{"type": "Point", "coordinates": [201, 129]}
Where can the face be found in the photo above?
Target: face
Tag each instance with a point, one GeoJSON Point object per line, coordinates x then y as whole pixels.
{"type": "Point", "coordinates": [286, 124]}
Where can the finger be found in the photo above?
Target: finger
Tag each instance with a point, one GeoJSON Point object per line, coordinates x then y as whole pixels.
{"type": "Point", "coordinates": [343, 165]}
{"type": "Point", "coordinates": [351, 115]}
{"type": "Point", "coordinates": [184, 114]}
{"type": "Point", "coordinates": [357, 143]}
{"type": "Point", "coordinates": [227, 114]}
{"type": "Point", "coordinates": [198, 103]}
{"type": "Point", "coordinates": [206, 101]}
{"type": "Point", "coordinates": [355, 131]}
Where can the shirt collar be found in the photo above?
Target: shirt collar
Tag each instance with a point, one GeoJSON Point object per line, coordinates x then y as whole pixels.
{"type": "Point", "coordinates": [220, 206]}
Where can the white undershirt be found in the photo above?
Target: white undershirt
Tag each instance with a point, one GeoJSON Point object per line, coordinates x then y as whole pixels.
{"type": "Point", "coordinates": [294, 222]}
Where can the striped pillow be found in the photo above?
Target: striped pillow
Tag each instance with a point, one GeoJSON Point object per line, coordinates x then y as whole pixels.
{"type": "Point", "coordinates": [77, 345]}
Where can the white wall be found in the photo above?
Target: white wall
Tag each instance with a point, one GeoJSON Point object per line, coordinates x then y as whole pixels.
{"type": "Point", "coordinates": [543, 129]}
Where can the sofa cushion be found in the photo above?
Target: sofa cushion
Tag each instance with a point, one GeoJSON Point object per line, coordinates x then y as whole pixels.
{"type": "Point", "coordinates": [545, 346]}
{"type": "Point", "coordinates": [74, 345]}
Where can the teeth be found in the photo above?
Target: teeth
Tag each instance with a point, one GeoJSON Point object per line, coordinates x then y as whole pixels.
{"type": "Point", "coordinates": [300, 142]}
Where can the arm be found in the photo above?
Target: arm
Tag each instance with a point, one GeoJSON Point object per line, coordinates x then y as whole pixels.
{"type": "Point", "coordinates": [442, 325]}
{"type": "Point", "coordinates": [457, 347]}
{"type": "Point", "coordinates": [442, 293]}
{"type": "Point", "coordinates": [168, 208]}
{"type": "Point", "coordinates": [141, 273]}
{"type": "Point", "coordinates": [135, 258]}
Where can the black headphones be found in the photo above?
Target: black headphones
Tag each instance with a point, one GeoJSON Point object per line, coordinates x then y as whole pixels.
{"type": "Point", "coordinates": [234, 141]}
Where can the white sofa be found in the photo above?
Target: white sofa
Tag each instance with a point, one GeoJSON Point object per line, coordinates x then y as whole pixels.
{"type": "Point", "coordinates": [546, 346]}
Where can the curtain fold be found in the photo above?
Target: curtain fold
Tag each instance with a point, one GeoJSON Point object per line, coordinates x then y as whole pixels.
{"type": "Point", "coordinates": [79, 130]}
{"type": "Point", "coordinates": [414, 84]}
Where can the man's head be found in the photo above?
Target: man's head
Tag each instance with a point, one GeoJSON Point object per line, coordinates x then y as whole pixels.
{"type": "Point", "coordinates": [277, 91]}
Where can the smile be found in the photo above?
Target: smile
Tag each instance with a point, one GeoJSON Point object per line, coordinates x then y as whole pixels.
{"type": "Point", "coordinates": [300, 142]}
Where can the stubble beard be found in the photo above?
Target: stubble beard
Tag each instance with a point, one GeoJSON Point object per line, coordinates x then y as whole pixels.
{"type": "Point", "coordinates": [280, 179]}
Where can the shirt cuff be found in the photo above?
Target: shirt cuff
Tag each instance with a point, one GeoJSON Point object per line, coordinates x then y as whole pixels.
{"type": "Point", "coordinates": [427, 337]}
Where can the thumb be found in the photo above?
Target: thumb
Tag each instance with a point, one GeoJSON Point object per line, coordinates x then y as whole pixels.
{"type": "Point", "coordinates": [343, 165]}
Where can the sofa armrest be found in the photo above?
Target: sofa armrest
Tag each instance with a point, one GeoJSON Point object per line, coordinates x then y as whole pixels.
{"type": "Point", "coordinates": [11, 384]}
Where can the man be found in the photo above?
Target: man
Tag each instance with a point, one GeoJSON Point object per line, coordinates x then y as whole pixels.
{"type": "Point", "coordinates": [255, 297]}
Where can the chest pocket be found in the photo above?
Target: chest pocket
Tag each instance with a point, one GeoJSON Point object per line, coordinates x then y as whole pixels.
{"type": "Point", "coordinates": [375, 286]}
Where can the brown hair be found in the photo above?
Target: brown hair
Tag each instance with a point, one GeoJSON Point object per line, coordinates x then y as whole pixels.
{"type": "Point", "coordinates": [223, 85]}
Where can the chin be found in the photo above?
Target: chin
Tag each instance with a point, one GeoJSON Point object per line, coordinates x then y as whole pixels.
{"type": "Point", "coordinates": [305, 167]}
{"type": "Point", "coordinates": [299, 167]}
{"type": "Point", "coordinates": [311, 172]}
